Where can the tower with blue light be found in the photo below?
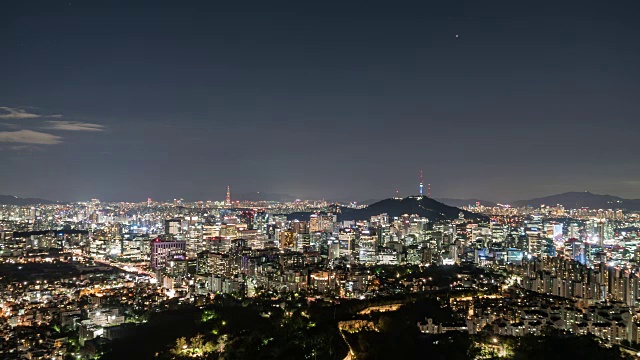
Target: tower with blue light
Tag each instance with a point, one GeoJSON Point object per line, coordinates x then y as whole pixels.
{"type": "Point", "coordinates": [421, 184]}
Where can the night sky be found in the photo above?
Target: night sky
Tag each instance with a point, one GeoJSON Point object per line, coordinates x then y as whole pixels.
{"type": "Point", "coordinates": [318, 99]}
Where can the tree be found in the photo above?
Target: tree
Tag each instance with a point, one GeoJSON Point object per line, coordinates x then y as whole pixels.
{"type": "Point", "coordinates": [208, 347]}
{"type": "Point", "coordinates": [197, 344]}
{"type": "Point", "coordinates": [209, 315]}
{"type": "Point", "coordinates": [181, 346]}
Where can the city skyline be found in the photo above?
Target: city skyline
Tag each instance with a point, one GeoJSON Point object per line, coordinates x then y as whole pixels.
{"type": "Point", "coordinates": [495, 101]}
{"type": "Point", "coordinates": [319, 180]}
{"type": "Point", "coordinates": [253, 196]}
{"type": "Point", "coordinates": [94, 279]}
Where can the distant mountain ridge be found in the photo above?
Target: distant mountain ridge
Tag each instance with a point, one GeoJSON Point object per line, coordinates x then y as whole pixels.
{"type": "Point", "coordinates": [260, 196]}
{"type": "Point", "coordinates": [466, 202]}
{"type": "Point", "coordinates": [575, 199]}
{"type": "Point", "coordinates": [426, 206]}
{"type": "Point", "coordinates": [14, 200]}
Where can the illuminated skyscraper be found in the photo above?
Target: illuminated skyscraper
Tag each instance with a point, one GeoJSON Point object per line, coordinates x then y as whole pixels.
{"type": "Point", "coordinates": [314, 223]}
{"type": "Point", "coordinates": [161, 251]}
{"type": "Point", "coordinates": [600, 226]}
{"type": "Point", "coordinates": [172, 227]}
{"type": "Point", "coordinates": [227, 201]}
{"type": "Point", "coordinates": [574, 231]}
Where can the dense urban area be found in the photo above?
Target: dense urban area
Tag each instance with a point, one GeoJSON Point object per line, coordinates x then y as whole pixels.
{"type": "Point", "coordinates": [317, 280]}
{"type": "Point", "coordinates": [319, 180]}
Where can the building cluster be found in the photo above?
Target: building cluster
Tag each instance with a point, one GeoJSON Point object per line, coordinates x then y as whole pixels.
{"type": "Point", "coordinates": [129, 258]}
{"type": "Point", "coordinates": [519, 313]}
{"type": "Point", "coordinates": [46, 295]}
